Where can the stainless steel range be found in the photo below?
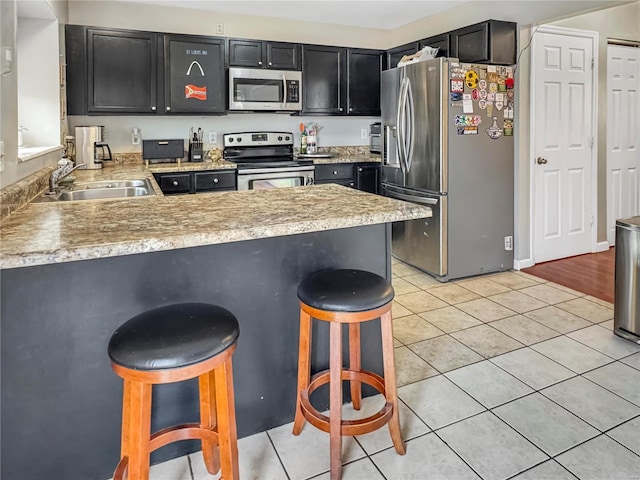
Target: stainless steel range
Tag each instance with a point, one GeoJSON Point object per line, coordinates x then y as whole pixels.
{"type": "Point", "coordinates": [265, 160]}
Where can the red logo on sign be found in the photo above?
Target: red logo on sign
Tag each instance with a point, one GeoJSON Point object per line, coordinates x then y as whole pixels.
{"type": "Point", "coordinates": [193, 91]}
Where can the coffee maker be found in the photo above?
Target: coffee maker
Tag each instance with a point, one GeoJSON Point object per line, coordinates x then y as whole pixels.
{"type": "Point", "coordinates": [90, 147]}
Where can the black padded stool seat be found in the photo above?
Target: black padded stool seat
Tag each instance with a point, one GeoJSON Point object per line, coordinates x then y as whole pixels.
{"type": "Point", "coordinates": [173, 336]}
{"type": "Point", "coordinates": [345, 290]}
{"type": "Point", "coordinates": [167, 345]}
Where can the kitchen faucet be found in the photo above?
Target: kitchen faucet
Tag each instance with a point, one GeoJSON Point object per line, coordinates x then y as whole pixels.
{"type": "Point", "coordinates": [65, 167]}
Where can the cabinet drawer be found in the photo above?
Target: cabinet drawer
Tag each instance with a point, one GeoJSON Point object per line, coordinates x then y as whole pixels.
{"type": "Point", "coordinates": [342, 171]}
{"type": "Point", "coordinates": [223, 180]}
{"type": "Point", "coordinates": [174, 183]}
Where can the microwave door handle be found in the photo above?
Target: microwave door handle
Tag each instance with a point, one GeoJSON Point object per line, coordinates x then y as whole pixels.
{"type": "Point", "coordinates": [284, 91]}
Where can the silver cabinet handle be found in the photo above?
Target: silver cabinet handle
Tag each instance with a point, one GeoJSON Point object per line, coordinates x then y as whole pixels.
{"type": "Point", "coordinates": [175, 183]}
{"type": "Point", "coordinates": [341, 109]}
{"type": "Point", "coordinates": [270, 63]}
{"type": "Point", "coordinates": [153, 109]}
{"type": "Point", "coordinates": [359, 169]}
{"type": "Point", "coordinates": [335, 172]}
{"type": "Point", "coordinates": [351, 109]}
{"type": "Point", "coordinates": [259, 63]}
{"type": "Point", "coordinates": [168, 109]}
{"type": "Point", "coordinates": [215, 180]}
{"type": "Point", "coordinates": [541, 161]}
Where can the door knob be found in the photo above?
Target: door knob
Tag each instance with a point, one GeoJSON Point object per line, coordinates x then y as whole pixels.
{"type": "Point", "coordinates": [541, 161]}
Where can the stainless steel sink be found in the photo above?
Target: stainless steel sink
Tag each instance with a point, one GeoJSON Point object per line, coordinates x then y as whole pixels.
{"type": "Point", "coordinates": [101, 190]}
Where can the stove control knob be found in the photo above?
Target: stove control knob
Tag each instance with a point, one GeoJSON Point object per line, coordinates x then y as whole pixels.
{"type": "Point", "coordinates": [287, 138]}
{"type": "Point", "coordinates": [239, 139]}
{"type": "Point", "coordinates": [279, 139]}
{"type": "Point", "coordinates": [230, 139]}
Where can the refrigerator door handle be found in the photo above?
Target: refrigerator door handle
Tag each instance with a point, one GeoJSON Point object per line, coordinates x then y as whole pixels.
{"type": "Point", "coordinates": [410, 198]}
{"type": "Point", "coordinates": [410, 106]}
{"type": "Point", "coordinates": [401, 123]}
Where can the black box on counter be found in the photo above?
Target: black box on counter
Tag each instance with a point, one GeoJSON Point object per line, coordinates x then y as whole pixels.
{"type": "Point", "coordinates": [171, 150]}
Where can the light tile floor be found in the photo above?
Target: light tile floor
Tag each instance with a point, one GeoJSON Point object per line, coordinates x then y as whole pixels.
{"type": "Point", "coordinates": [504, 376]}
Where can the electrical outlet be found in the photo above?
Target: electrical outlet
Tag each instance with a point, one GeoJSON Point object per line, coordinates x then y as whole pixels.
{"type": "Point", "coordinates": [219, 28]}
{"type": "Point", "coordinates": [508, 243]}
{"type": "Point", "coordinates": [364, 134]}
{"type": "Point", "coordinates": [213, 138]}
{"type": "Point", "coordinates": [1, 156]}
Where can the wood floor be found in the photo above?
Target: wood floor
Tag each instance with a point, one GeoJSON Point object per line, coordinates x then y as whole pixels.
{"type": "Point", "coordinates": [592, 273]}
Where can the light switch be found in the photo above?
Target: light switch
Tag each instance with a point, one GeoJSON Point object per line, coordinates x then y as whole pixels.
{"type": "Point", "coordinates": [6, 60]}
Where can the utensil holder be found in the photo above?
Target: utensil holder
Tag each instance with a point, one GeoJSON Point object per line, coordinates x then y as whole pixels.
{"type": "Point", "coordinates": [195, 152]}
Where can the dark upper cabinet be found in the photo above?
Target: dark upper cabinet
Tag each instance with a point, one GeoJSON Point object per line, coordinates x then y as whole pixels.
{"type": "Point", "coordinates": [122, 71]}
{"type": "Point", "coordinates": [113, 71]}
{"type": "Point", "coordinates": [261, 54]}
{"type": "Point", "coordinates": [492, 41]}
{"type": "Point", "coordinates": [364, 67]}
{"type": "Point", "coordinates": [194, 74]}
{"type": "Point", "coordinates": [437, 41]}
{"type": "Point", "coordinates": [323, 75]}
{"type": "Point", "coordinates": [340, 81]}
{"type": "Point", "coordinates": [394, 55]}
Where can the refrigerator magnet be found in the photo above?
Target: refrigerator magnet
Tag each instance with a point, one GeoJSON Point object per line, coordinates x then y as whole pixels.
{"type": "Point", "coordinates": [508, 128]}
{"type": "Point", "coordinates": [494, 131]}
{"type": "Point", "coordinates": [457, 86]}
{"type": "Point", "coordinates": [467, 130]}
{"type": "Point", "coordinates": [489, 109]}
{"type": "Point", "coordinates": [471, 79]}
{"type": "Point", "coordinates": [456, 97]}
{"type": "Point", "coordinates": [482, 84]}
{"type": "Point", "coordinates": [475, 94]}
{"type": "Point", "coordinates": [482, 73]}
{"type": "Point", "coordinates": [482, 104]}
{"type": "Point", "coordinates": [483, 94]}
{"type": "Point", "coordinates": [493, 87]}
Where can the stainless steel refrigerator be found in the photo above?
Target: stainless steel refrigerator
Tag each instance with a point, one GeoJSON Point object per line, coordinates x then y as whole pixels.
{"type": "Point", "coordinates": [448, 143]}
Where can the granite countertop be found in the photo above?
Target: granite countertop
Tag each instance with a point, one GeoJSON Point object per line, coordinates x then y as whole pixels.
{"type": "Point", "coordinates": [46, 233]}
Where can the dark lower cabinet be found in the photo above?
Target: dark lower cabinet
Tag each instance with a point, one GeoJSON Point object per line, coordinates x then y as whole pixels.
{"type": "Point", "coordinates": [363, 176]}
{"type": "Point", "coordinates": [122, 71]}
{"type": "Point", "coordinates": [367, 177]}
{"type": "Point", "coordinates": [196, 182]}
{"type": "Point", "coordinates": [341, 81]}
{"type": "Point", "coordinates": [194, 74]}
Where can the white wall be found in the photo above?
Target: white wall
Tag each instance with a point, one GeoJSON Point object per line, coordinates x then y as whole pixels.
{"type": "Point", "coordinates": [334, 131]}
{"type": "Point", "coordinates": [183, 20]}
{"type": "Point", "coordinates": [38, 81]}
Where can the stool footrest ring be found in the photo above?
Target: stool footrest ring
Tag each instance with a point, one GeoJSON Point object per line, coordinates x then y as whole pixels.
{"type": "Point", "coordinates": [348, 427]}
{"type": "Point", "coordinates": [185, 431]}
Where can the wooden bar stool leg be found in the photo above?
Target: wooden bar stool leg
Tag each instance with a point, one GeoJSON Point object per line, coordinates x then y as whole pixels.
{"type": "Point", "coordinates": [355, 364]}
{"type": "Point", "coordinates": [139, 429]}
{"type": "Point", "coordinates": [210, 450]}
{"type": "Point", "coordinates": [391, 390]}
{"type": "Point", "coordinates": [304, 367]}
{"type": "Point", "coordinates": [335, 399]}
{"type": "Point", "coordinates": [227, 434]}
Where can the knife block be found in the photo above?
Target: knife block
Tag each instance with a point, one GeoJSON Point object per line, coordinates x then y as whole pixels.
{"type": "Point", "coordinates": [195, 152]}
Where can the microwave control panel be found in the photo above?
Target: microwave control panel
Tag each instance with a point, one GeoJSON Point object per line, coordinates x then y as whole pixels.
{"type": "Point", "coordinates": [293, 91]}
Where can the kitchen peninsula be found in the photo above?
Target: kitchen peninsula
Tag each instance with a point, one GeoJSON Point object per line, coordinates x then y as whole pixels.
{"type": "Point", "coordinates": [74, 271]}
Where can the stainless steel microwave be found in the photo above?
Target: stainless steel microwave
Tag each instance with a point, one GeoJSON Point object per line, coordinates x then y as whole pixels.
{"type": "Point", "coordinates": [272, 90]}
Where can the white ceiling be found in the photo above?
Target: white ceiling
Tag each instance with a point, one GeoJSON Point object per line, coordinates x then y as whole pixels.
{"type": "Point", "coordinates": [389, 14]}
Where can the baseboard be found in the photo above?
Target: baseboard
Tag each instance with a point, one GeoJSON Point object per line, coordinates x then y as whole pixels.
{"type": "Point", "coordinates": [524, 263]}
{"type": "Point", "coordinates": [602, 246]}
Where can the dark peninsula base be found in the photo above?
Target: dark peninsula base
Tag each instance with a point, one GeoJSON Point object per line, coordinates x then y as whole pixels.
{"type": "Point", "coordinates": [61, 402]}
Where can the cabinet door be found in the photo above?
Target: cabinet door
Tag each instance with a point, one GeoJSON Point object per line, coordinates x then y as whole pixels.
{"type": "Point", "coordinates": [471, 44]}
{"type": "Point", "coordinates": [75, 38]}
{"type": "Point", "coordinates": [395, 54]}
{"type": "Point", "coordinates": [245, 53]}
{"type": "Point", "coordinates": [283, 56]}
{"type": "Point", "coordinates": [324, 80]}
{"type": "Point", "coordinates": [368, 178]}
{"type": "Point", "coordinates": [441, 42]}
{"type": "Point", "coordinates": [194, 74]}
{"type": "Point", "coordinates": [364, 67]}
{"type": "Point", "coordinates": [122, 71]}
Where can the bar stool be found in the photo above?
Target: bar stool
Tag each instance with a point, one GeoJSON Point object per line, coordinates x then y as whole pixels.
{"type": "Point", "coordinates": [352, 297]}
{"type": "Point", "coordinates": [172, 344]}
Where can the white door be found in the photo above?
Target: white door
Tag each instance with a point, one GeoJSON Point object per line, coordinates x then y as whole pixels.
{"type": "Point", "coordinates": [623, 135]}
{"type": "Point", "coordinates": [563, 107]}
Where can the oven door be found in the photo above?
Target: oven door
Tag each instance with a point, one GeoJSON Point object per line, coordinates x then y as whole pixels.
{"type": "Point", "coordinates": [257, 89]}
{"type": "Point", "coordinates": [264, 179]}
